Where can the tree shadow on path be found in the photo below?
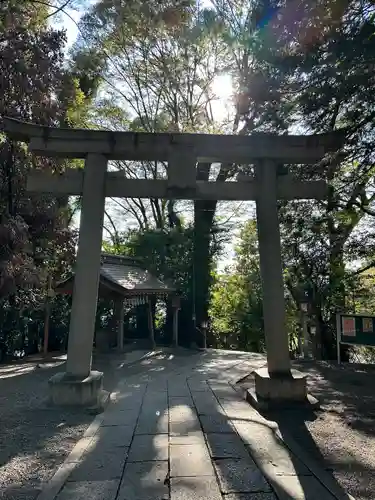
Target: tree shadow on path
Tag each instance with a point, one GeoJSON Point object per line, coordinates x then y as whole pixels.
{"type": "Point", "coordinates": [342, 475]}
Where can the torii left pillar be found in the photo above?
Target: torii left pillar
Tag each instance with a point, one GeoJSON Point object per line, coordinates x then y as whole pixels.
{"type": "Point", "coordinates": [79, 385]}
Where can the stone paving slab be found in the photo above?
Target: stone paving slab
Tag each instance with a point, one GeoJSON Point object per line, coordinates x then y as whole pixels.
{"type": "Point", "coordinates": [100, 465]}
{"type": "Point", "coordinates": [185, 401]}
{"type": "Point", "coordinates": [226, 446]}
{"type": "Point", "coordinates": [156, 391]}
{"type": "Point", "coordinates": [224, 391]}
{"type": "Point", "coordinates": [182, 412]}
{"type": "Point", "coordinates": [114, 436]}
{"type": "Point", "coordinates": [216, 424]}
{"type": "Point", "coordinates": [124, 404]}
{"type": "Point", "coordinates": [242, 476]}
{"type": "Point", "coordinates": [130, 389]}
{"type": "Point", "coordinates": [208, 408]}
{"type": "Point", "coordinates": [144, 481]}
{"type": "Point", "coordinates": [154, 421]}
{"type": "Point", "coordinates": [268, 451]}
{"type": "Point", "coordinates": [218, 384]}
{"type": "Point", "coordinates": [147, 447]}
{"type": "Point", "coordinates": [178, 389]}
{"type": "Point", "coordinates": [300, 488]}
{"type": "Point", "coordinates": [190, 460]}
{"type": "Point", "coordinates": [183, 420]}
{"type": "Point", "coordinates": [89, 490]}
{"type": "Point", "coordinates": [184, 427]}
{"type": "Point", "coordinates": [206, 404]}
{"type": "Point", "coordinates": [195, 437]}
{"type": "Point", "coordinates": [204, 396]}
{"type": "Point", "coordinates": [250, 496]}
{"type": "Point", "coordinates": [159, 386]}
{"type": "Point", "coordinates": [198, 385]}
{"type": "Point", "coordinates": [197, 488]}
{"type": "Point", "coordinates": [154, 404]}
{"type": "Point", "coordinates": [127, 417]}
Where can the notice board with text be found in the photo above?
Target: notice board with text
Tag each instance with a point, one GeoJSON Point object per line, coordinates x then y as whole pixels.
{"type": "Point", "coordinates": [355, 329]}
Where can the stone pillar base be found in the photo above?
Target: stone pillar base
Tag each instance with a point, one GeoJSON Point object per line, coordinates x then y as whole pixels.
{"type": "Point", "coordinates": [280, 391]}
{"type": "Point", "coordinates": [86, 392]}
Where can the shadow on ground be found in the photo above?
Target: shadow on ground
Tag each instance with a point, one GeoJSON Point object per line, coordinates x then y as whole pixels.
{"type": "Point", "coordinates": [169, 412]}
{"type": "Point", "coordinates": [128, 457]}
{"type": "Point", "coordinates": [343, 431]}
{"type": "Point", "coordinates": [35, 439]}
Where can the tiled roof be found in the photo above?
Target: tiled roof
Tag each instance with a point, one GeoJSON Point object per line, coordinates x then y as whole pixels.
{"type": "Point", "coordinates": [125, 272]}
{"type": "Point", "coordinates": [131, 275]}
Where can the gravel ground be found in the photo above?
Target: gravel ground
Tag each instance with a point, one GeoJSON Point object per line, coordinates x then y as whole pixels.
{"type": "Point", "coordinates": [342, 433]}
{"type": "Point", "coordinates": [34, 437]}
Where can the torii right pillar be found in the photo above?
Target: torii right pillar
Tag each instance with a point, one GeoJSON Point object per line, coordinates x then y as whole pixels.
{"type": "Point", "coordinates": [275, 385]}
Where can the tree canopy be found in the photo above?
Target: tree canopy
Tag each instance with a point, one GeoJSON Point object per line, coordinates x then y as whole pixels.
{"type": "Point", "coordinates": [297, 67]}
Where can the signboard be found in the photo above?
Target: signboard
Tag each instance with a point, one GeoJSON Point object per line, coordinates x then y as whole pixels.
{"type": "Point", "coordinates": [348, 326]}
{"type": "Point", "coordinates": [367, 325]}
{"type": "Point", "coordinates": [355, 329]}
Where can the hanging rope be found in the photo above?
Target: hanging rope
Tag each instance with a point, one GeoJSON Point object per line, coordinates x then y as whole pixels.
{"type": "Point", "coordinates": [139, 300]}
{"type": "Point", "coordinates": [136, 301]}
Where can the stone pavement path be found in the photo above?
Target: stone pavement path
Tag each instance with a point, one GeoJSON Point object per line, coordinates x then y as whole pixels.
{"type": "Point", "coordinates": [182, 432]}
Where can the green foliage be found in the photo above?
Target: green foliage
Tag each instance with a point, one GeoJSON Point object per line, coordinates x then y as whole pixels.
{"type": "Point", "coordinates": [236, 303]}
{"type": "Point", "coordinates": [310, 68]}
{"type": "Point", "coordinates": [165, 253]}
{"type": "Point", "coordinates": [35, 240]}
{"type": "Point", "coordinates": [150, 66]}
{"type": "Point", "coordinates": [236, 314]}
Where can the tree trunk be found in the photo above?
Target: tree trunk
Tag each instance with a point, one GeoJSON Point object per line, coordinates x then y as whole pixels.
{"type": "Point", "coordinates": [204, 212]}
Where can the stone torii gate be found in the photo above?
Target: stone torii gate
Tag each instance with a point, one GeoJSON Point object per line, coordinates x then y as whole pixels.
{"type": "Point", "coordinates": [80, 385]}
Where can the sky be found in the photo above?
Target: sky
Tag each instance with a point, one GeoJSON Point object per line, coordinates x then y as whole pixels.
{"type": "Point", "coordinates": [222, 88]}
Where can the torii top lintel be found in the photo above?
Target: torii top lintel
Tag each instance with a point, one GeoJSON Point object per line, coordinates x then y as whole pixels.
{"type": "Point", "coordinates": [78, 143]}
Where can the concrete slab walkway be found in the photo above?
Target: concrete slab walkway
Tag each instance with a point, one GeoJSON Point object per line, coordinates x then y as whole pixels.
{"type": "Point", "coordinates": [180, 431]}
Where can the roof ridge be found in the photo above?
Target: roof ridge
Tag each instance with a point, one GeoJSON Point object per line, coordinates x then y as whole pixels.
{"type": "Point", "coordinates": [107, 258]}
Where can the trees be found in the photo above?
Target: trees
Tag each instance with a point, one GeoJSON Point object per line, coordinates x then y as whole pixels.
{"type": "Point", "coordinates": [151, 66]}
{"type": "Point", "coordinates": [169, 255]}
{"type": "Point", "coordinates": [333, 82]}
{"type": "Point", "coordinates": [236, 305]}
{"type": "Point", "coordinates": [34, 88]}
{"type": "Point", "coordinates": [158, 62]}
{"type": "Point", "coordinates": [311, 70]}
